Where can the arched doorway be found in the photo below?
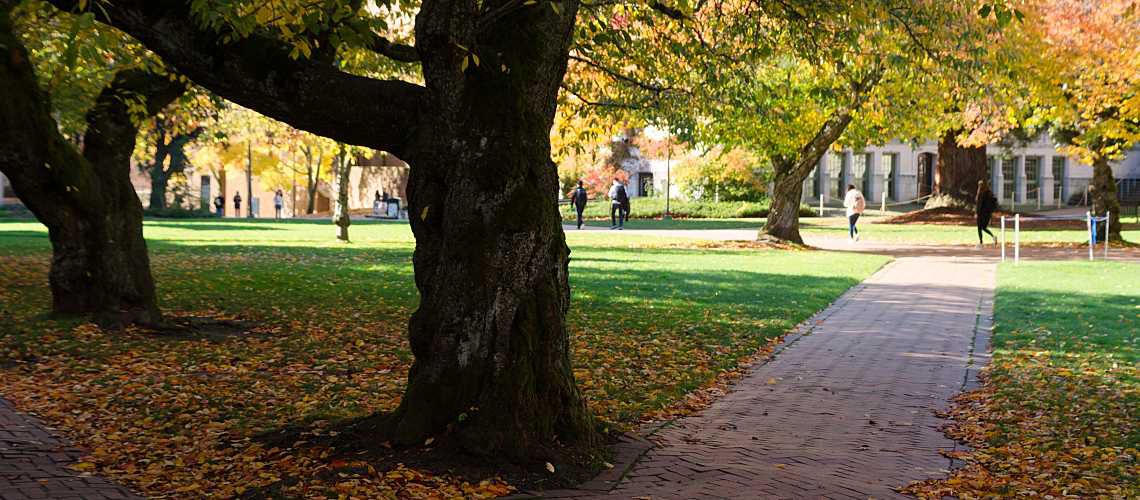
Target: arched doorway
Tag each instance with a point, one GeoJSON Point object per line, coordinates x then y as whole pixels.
{"type": "Point", "coordinates": [925, 174]}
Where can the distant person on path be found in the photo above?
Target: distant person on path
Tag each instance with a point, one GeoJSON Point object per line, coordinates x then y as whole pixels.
{"type": "Point", "coordinates": [220, 206]}
{"type": "Point", "coordinates": [278, 202]}
{"type": "Point", "coordinates": [578, 198]}
{"type": "Point", "coordinates": [237, 204]}
{"type": "Point", "coordinates": [985, 203]}
{"type": "Point", "coordinates": [855, 204]}
{"type": "Point", "coordinates": [619, 201]}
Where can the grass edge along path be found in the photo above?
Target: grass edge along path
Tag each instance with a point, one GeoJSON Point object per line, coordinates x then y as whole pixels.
{"type": "Point", "coordinates": [649, 326]}
{"type": "Point", "coordinates": [1057, 412]}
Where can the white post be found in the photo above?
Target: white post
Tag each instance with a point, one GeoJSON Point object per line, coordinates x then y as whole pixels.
{"type": "Point", "coordinates": [1039, 197]}
{"type": "Point", "coordinates": [1089, 228]}
{"type": "Point", "coordinates": [1003, 238]}
{"type": "Point", "coordinates": [1016, 239]}
{"type": "Point", "coordinates": [1107, 223]}
{"type": "Point", "coordinates": [821, 205]}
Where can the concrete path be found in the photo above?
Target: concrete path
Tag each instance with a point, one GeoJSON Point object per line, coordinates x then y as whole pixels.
{"type": "Point", "coordinates": [33, 464]}
{"type": "Point", "coordinates": [846, 409]}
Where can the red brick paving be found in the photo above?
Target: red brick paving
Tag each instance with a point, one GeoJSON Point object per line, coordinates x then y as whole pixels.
{"type": "Point", "coordinates": [33, 464]}
{"type": "Point", "coordinates": [846, 410]}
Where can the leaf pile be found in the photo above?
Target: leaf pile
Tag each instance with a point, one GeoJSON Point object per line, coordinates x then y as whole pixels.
{"type": "Point", "coordinates": [1057, 414]}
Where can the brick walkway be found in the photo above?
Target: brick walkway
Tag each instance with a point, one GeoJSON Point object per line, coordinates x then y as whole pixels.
{"type": "Point", "coordinates": [33, 464]}
{"type": "Point", "coordinates": [846, 409]}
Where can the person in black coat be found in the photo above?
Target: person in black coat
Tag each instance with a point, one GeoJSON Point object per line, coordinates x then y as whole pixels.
{"type": "Point", "coordinates": [985, 204]}
{"type": "Point", "coordinates": [578, 197]}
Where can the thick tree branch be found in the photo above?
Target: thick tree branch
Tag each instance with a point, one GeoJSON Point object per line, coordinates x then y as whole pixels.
{"type": "Point", "coordinates": [257, 72]}
{"type": "Point", "coordinates": [394, 51]}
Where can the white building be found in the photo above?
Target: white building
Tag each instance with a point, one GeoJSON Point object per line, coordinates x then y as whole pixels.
{"type": "Point", "coordinates": [1019, 173]}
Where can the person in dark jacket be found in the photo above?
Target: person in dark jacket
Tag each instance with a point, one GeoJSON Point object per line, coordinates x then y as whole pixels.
{"type": "Point", "coordinates": [619, 205]}
{"type": "Point", "coordinates": [220, 205]}
{"type": "Point", "coordinates": [578, 198]}
{"type": "Point", "coordinates": [237, 204]}
{"type": "Point", "coordinates": [985, 204]}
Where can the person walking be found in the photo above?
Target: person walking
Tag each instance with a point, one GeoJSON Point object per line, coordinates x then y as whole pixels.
{"type": "Point", "coordinates": [984, 205]}
{"type": "Point", "coordinates": [220, 205]}
{"type": "Point", "coordinates": [855, 204]}
{"type": "Point", "coordinates": [278, 202]}
{"type": "Point", "coordinates": [619, 200]}
{"type": "Point", "coordinates": [578, 198]}
{"type": "Point", "coordinates": [237, 204]}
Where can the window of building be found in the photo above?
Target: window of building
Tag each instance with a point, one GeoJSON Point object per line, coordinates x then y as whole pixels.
{"type": "Point", "coordinates": [835, 174]}
{"type": "Point", "coordinates": [888, 166]}
{"type": "Point", "coordinates": [1059, 178]}
{"type": "Point", "coordinates": [813, 177]}
{"type": "Point", "coordinates": [1009, 176]}
{"type": "Point", "coordinates": [1032, 178]}
{"type": "Point", "coordinates": [859, 175]}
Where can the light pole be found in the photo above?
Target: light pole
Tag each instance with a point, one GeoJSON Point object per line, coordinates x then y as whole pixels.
{"type": "Point", "coordinates": [668, 177]}
{"type": "Point", "coordinates": [249, 180]}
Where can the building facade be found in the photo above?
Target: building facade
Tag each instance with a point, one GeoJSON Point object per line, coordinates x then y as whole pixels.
{"type": "Point", "coordinates": [1023, 174]}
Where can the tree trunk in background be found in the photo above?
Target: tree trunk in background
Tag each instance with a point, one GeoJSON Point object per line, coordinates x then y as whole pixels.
{"type": "Point", "coordinates": [158, 176]}
{"type": "Point", "coordinates": [341, 215]}
{"type": "Point", "coordinates": [1104, 199]}
{"type": "Point", "coordinates": [959, 169]}
{"type": "Point", "coordinates": [784, 214]}
{"type": "Point", "coordinates": [489, 336]}
{"type": "Point", "coordinates": [94, 219]}
{"type": "Point", "coordinates": [176, 151]}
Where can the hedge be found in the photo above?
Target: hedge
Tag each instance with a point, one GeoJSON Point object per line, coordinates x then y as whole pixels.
{"type": "Point", "coordinates": [654, 208]}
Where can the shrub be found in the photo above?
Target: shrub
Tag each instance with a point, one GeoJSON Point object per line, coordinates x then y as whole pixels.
{"type": "Point", "coordinates": [178, 213]}
{"type": "Point", "coordinates": [654, 208]}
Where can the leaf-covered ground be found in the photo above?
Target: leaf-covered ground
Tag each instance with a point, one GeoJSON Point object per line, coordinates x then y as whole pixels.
{"type": "Point", "coordinates": [320, 337]}
{"type": "Point", "coordinates": [1059, 413]}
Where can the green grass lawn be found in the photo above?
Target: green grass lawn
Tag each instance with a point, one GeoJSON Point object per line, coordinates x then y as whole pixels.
{"type": "Point", "coordinates": [1059, 413]}
{"type": "Point", "coordinates": [650, 321]}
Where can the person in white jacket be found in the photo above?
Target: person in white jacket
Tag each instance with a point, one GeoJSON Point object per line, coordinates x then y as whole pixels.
{"type": "Point", "coordinates": [855, 204]}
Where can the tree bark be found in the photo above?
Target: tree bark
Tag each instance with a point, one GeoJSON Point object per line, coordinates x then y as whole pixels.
{"type": "Point", "coordinates": [94, 219]}
{"type": "Point", "coordinates": [1104, 199]}
{"type": "Point", "coordinates": [958, 171]}
{"type": "Point", "coordinates": [491, 262]}
{"type": "Point", "coordinates": [341, 215]}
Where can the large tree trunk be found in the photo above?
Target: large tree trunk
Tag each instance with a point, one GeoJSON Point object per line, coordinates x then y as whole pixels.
{"type": "Point", "coordinates": [94, 218]}
{"type": "Point", "coordinates": [957, 174]}
{"type": "Point", "coordinates": [1104, 199]}
{"type": "Point", "coordinates": [341, 215]}
{"type": "Point", "coordinates": [784, 214]}
{"type": "Point", "coordinates": [491, 261]}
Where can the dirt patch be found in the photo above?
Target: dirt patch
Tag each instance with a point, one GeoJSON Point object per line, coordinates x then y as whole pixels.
{"type": "Point", "coordinates": [949, 216]}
